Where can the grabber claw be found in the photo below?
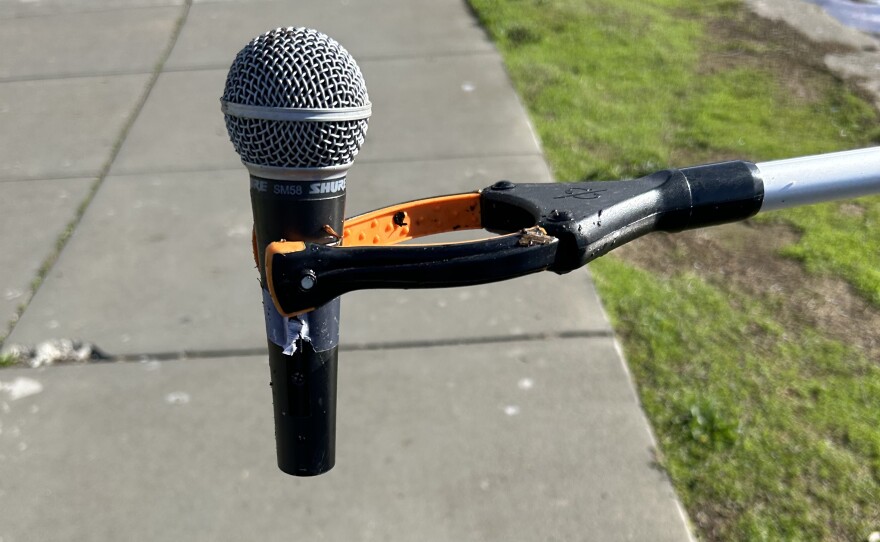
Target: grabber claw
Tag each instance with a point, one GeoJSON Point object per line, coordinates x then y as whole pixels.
{"type": "Point", "coordinates": [548, 226]}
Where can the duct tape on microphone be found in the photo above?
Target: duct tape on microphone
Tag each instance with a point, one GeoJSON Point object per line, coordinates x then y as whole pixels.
{"type": "Point", "coordinates": [319, 327]}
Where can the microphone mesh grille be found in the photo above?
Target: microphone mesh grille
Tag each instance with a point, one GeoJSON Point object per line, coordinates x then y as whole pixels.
{"type": "Point", "coordinates": [295, 68]}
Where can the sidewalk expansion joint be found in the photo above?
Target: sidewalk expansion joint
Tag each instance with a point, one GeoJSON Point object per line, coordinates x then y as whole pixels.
{"type": "Point", "coordinates": [67, 76]}
{"type": "Point", "coordinates": [62, 12]}
{"type": "Point", "coordinates": [87, 354]}
{"type": "Point", "coordinates": [474, 341]}
{"type": "Point", "coordinates": [360, 58]}
{"type": "Point", "coordinates": [449, 157]}
{"type": "Point", "coordinates": [224, 168]}
{"type": "Point", "coordinates": [173, 171]}
{"type": "Point", "coordinates": [68, 176]}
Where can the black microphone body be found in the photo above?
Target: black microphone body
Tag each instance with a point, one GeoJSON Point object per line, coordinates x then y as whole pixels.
{"type": "Point", "coordinates": [303, 371]}
{"type": "Point", "coordinates": [296, 110]}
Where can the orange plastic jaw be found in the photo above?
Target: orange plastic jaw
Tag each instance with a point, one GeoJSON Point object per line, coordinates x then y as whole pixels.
{"type": "Point", "coordinates": [396, 224]}
{"type": "Point", "coordinates": [412, 220]}
{"type": "Point", "coordinates": [254, 244]}
{"type": "Point", "coordinates": [281, 247]}
{"type": "Point", "coordinates": [392, 225]}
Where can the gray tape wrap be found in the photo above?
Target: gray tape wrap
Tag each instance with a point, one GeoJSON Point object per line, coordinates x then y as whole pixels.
{"type": "Point", "coordinates": [320, 327]}
{"type": "Point", "coordinates": [324, 326]}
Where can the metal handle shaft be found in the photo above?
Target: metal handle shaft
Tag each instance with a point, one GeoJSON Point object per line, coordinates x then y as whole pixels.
{"type": "Point", "coordinates": [824, 177]}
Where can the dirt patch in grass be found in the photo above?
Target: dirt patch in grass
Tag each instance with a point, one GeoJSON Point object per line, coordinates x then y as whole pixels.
{"type": "Point", "coordinates": [745, 257]}
{"type": "Point", "coordinates": [744, 39]}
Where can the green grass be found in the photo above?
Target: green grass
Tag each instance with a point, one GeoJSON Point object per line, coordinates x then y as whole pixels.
{"type": "Point", "coordinates": [7, 360]}
{"type": "Point", "coordinates": [774, 429]}
{"type": "Point", "coordinates": [750, 112]}
{"type": "Point", "coordinates": [572, 61]}
{"type": "Point", "coordinates": [841, 239]}
{"type": "Point", "coordinates": [768, 432]}
{"type": "Point", "coordinates": [616, 89]}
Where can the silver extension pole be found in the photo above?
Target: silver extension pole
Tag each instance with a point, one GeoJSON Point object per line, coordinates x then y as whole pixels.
{"type": "Point", "coordinates": [824, 177]}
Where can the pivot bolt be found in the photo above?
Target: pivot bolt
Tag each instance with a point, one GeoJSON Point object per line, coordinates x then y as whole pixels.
{"type": "Point", "coordinates": [307, 280]}
{"type": "Point", "coordinates": [503, 185]}
{"type": "Point", "coordinates": [560, 216]}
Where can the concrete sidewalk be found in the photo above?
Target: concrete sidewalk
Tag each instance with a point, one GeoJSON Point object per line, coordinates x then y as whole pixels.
{"type": "Point", "coordinates": [495, 413]}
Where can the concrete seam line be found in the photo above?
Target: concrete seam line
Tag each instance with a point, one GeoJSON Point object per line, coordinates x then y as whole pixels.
{"type": "Point", "coordinates": [67, 76]}
{"type": "Point", "coordinates": [102, 357]}
{"type": "Point", "coordinates": [361, 60]}
{"type": "Point", "coordinates": [62, 13]}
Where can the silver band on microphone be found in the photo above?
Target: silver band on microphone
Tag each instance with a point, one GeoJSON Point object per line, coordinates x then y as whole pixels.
{"type": "Point", "coordinates": [297, 174]}
{"type": "Point", "coordinates": [291, 114]}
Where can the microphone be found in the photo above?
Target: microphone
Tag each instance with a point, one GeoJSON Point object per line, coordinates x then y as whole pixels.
{"type": "Point", "coordinates": [296, 109]}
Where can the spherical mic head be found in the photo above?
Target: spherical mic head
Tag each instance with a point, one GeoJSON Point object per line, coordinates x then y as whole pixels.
{"type": "Point", "coordinates": [294, 98]}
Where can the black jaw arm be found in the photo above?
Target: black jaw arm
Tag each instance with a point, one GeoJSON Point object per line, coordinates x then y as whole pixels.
{"type": "Point", "coordinates": [557, 227]}
{"type": "Point", "coordinates": [591, 218]}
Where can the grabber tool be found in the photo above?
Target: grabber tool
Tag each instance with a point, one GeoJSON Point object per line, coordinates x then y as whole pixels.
{"type": "Point", "coordinates": [555, 227]}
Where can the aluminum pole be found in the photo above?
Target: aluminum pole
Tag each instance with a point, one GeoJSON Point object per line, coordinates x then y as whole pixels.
{"type": "Point", "coordinates": [824, 177]}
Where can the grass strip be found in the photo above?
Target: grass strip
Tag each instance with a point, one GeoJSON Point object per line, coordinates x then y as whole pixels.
{"type": "Point", "coordinates": [619, 89]}
{"type": "Point", "coordinates": [766, 425]}
{"type": "Point", "coordinates": [769, 433]}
